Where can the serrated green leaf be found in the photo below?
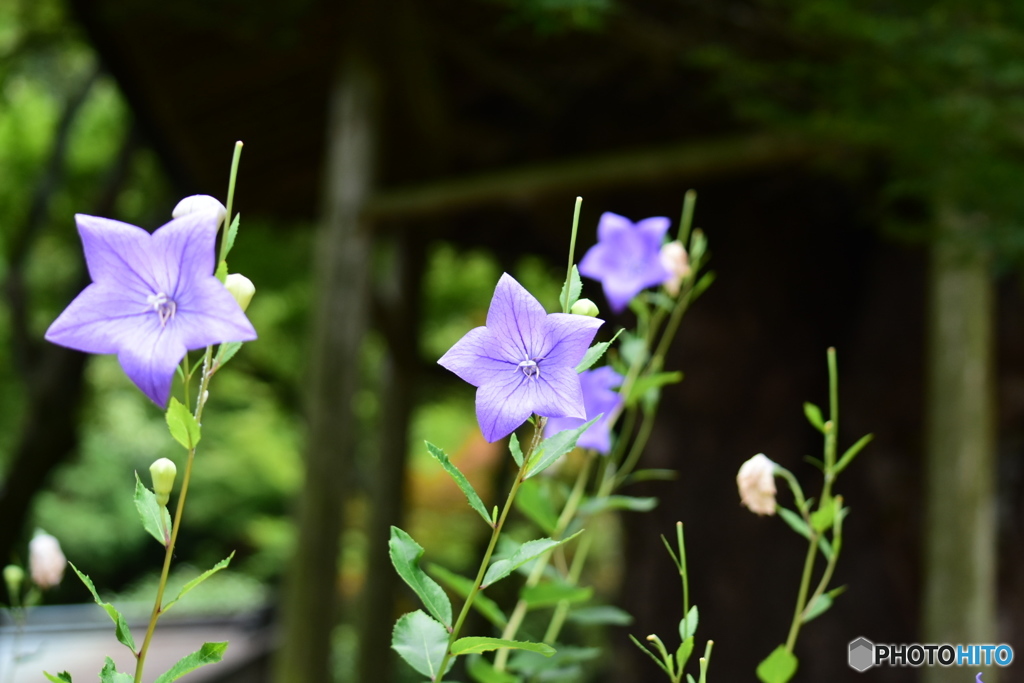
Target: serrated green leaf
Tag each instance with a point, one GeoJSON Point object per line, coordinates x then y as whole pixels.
{"type": "Point", "coordinates": [481, 671]}
{"type": "Point", "coordinates": [571, 289]}
{"type": "Point", "coordinates": [232, 233]}
{"type": "Point", "coordinates": [421, 642]}
{"type": "Point", "coordinates": [813, 415]}
{"type": "Point", "coordinates": [110, 674]}
{"type": "Point", "coordinates": [778, 667]}
{"type": "Point", "coordinates": [121, 630]}
{"type": "Point", "coordinates": [199, 579]}
{"type": "Point", "coordinates": [517, 452]}
{"type": "Point", "coordinates": [536, 504]}
{"type": "Point", "coordinates": [550, 593]}
{"type": "Point", "coordinates": [595, 352]}
{"type": "Point", "coordinates": [209, 653]}
{"type": "Point", "coordinates": [550, 450]}
{"type": "Point", "coordinates": [461, 586]}
{"type": "Point", "coordinates": [405, 555]}
{"type": "Point", "coordinates": [817, 608]}
{"type": "Point", "coordinates": [227, 351]}
{"type": "Point", "coordinates": [182, 424]}
{"type": "Point", "coordinates": [476, 645]}
{"type": "Point", "coordinates": [62, 677]}
{"type": "Point", "coordinates": [618, 502]}
{"type": "Point", "coordinates": [683, 653]}
{"type": "Point", "coordinates": [688, 624]}
{"type": "Point", "coordinates": [601, 615]}
{"type": "Point", "coordinates": [155, 518]}
{"type": "Point", "coordinates": [530, 550]}
{"type": "Point", "coordinates": [648, 382]}
{"type": "Point", "coordinates": [460, 479]}
{"type": "Point", "coordinates": [852, 452]}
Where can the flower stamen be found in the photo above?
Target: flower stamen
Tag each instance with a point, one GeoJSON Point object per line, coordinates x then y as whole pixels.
{"type": "Point", "coordinates": [164, 306]}
{"type": "Point", "coordinates": [530, 368]}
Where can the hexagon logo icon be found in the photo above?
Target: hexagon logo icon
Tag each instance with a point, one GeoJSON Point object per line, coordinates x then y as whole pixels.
{"type": "Point", "coordinates": [862, 654]}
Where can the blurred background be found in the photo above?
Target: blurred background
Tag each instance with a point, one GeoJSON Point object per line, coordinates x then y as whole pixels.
{"type": "Point", "coordinates": [859, 169]}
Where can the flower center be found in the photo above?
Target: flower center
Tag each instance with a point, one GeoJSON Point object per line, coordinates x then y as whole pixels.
{"type": "Point", "coordinates": [163, 305]}
{"type": "Point", "coordinates": [530, 368]}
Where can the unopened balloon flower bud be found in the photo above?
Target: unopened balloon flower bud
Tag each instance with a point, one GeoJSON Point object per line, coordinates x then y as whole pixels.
{"type": "Point", "coordinates": [163, 473]}
{"type": "Point", "coordinates": [585, 307]}
{"type": "Point", "coordinates": [756, 482]}
{"type": "Point", "coordinates": [46, 561]}
{"type": "Point", "coordinates": [200, 203]}
{"type": "Point", "coordinates": [13, 576]}
{"type": "Point", "coordinates": [677, 262]}
{"type": "Point", "coordinates": [241, 288]}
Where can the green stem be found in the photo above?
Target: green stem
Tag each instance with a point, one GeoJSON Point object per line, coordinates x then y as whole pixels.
{"type": "Point", "coordinates": [485, 562]}
{"type": "Point", "coordinates": [689, 202]}
{"type": "Point", "coordinates": [235, 157]}
{"type": "Point", "coordinates": [682, 569]}
{"type": "Point", "coordinates": [801, 599]}
{"type": "Point", "coordinates": [572, 252]}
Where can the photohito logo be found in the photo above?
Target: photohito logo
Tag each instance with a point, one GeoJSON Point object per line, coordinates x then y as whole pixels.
{"type": "Point", "coordinates": [863, 654]}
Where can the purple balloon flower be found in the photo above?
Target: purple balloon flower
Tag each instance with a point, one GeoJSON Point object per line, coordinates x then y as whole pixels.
{"type": "Point", "coordinates": [152, 297]}
{"type": "Point", "coordinates": [523, 361]}
{"type": "Point", "coordinates": [600, 398]}
{"type": "Point", "coordinates": [626, 258]}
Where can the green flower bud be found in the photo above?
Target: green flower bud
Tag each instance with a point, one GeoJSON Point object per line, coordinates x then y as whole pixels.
{"type": "Point", "coordinates": [13, 576]}
{"type": "Point", "coordinates": [241, 288]}
{"type": "Point", "coordinates": [585, 307]}
{"type": "Point", "coordinates": [163, 472]}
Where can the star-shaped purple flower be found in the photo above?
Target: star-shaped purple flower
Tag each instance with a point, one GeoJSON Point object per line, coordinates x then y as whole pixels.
{"type": "Point", "coordinates": [523, 361]}
{"type": "Point", "coordinates": [626, 258]}
{"type": "Point", "coordinates": [152, 297]}
{"type": "Point", "coordinates": [599, 398]}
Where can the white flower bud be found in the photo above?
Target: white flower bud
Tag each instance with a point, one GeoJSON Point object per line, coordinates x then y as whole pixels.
{"type": "Point", "coordinates": [241, 288]}
{"type": "Point", "coordinates": [197, 203]}
{"type": "Point", "coordinates": [585, 307]}
{"type": "Point", "coordinates": [163, 473]}
{"type": "Point", "coordinates": [677, 262]}
{"type": "Point", "coordinates": [756, 482]}
{"type": "Point", "coordinates": [46, 562]}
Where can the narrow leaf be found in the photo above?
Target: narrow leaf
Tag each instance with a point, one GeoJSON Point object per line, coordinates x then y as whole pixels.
{"type": "Point", "coordinates": [405, 555]}
{"type": "Point", "coordinates": [601, 615]}
{"type": "Point", "coordinates": [182, 424]}
{"type": "Point", "coordinates": [421, 642]}
{"type": "Point", "coordinates": [199, 579]}
{"type": "Point", "coordinates": [631, 503]}
{"type": "Point", "coordinates": [778, 667]}
{"type": "Point", "coordinates": [461, 586]}
{"type": "Point", "coordinates": [852, 452]}
{"type": "Point", "coordinates": [232, 233]}
{"type": "Point", "coordinates": [481, 671]}
{"type": "Point", "coordinates": [683, 653]}
{"type": "Point", "coordinates": [530, 550]}
{"type": "Point", "coordinates": [595, 352]}
{"type": "Point", "coordinates": [688, 624]}
{"type": "Point", "coordinates": [795, 522]}
{"type": "Point", "coordinates": [155, 517]}
{"type": "Point", "coordinates": [460, 479]}
{"type": "Point", "coordinates": [62, 677]}
{"type": "Point", "coordinates": [648, 382]}
{"type": "Point", "coordinates": [550, 450]}
{"type": "Point", "coordinates": [517, 452]}
{"type": "Point", "coordinates": [571, 289]}
{"type": "Point", "coordinates": [534, 502]}
{"type": "Point", "coordinates": [476, 645]}
{"type": "Point", "coordinates": [813, 414]}
{"type": "Point", "coordinates": [227, 351]}
{"type": "Point", "coordinates": [650, 654]}
{"type": "Point", "coordinates": [209, 653]}
{"type": "Point", "coordinates": [121, 630]}
{"type": "Point", "coordinates": [817, 608]}
{"type": "Point", "coordinates": [549, 594]}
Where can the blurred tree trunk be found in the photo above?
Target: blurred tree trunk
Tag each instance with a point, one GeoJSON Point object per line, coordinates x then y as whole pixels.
{"type": "Point", "coordinates": [342, 273]}
{"type": "Point", "coordinates": [960, 520]}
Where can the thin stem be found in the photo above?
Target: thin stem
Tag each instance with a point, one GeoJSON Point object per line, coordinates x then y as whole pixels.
{"type": "Point", "coordinates": [837, 542]}
{"type": "Point", "coordinates": [485, 562]}
{"type": "Point", "coordinates": [231, 198]}
{"type": "Point", "coordinates": [801, 599]}
{"type": "Point", "coordinates": [682, 569]}
{"type": "Point", "coordinates": [689, 202]}
{"type": "Point", "coordinates": [572, 252]}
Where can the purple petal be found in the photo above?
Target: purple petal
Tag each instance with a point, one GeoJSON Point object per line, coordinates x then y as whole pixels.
{"type": "Point", "coordinates": [101, 319]}
{"type": "Point", "coordinates": [567, 338]}
{"type": "Point", "coordinates": [207, 314]}
{"type": "Point", "coordinates": [184, 250]}
{"type": "Point", "coordinates": [151, 359]}
{"type": "Point", "coordinates": [557, 393]}
{"type": "Point", "coordinates": [503, 405]}
{"type": "Point", "coordinates": [653, 231]}
{"type": "Point", "coordinates": [516, 319]}
{"type": "Point", "coordinates": [472, 358]}
{"type": "Point", "coordinates": [610, 224]}
{"type": "Point", "coordinates": [117, 252]}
